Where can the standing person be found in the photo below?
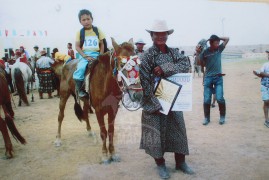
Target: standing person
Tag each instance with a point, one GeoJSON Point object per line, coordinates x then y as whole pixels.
{"type": "Point", "coordinates": [43, 68]}
{"type": "Point", "coordinates": [162, 133]}
{"type": "Point", "coordinates": [24, 54]}
{"type": "Point", "coordinates": [89, 45]}
{"type": "Point", "coordinates": [183, 53]}
{"type": "Point", "coordinates": [8, 74]}
{"type": "Point", "coordinates": [197, 67]}
{"type": "Point", "coordinates": [210, 58]}
{"type": "Point", "coordinates": [264, 75]}
{"type": "Point", "coordinates": [139, 51]}
{"type": "Point", "coordinates": [70, 51]}
{"type": "Point", "coordinates": [37, 55]}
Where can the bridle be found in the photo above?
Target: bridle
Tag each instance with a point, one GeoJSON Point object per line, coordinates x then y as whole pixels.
{"type": "Point", "coordinates": [129, 64]}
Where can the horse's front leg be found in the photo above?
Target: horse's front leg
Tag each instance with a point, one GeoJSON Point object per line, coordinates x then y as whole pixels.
{"type": "Point", "coordinates": [86, 117]}
{"type": "Point", "coordinates": [32, 84]}
{"type": "Point", "coordinates": [8, 144]}
{"type": "Point", "coordinates": [111, 122]}
{"type": "Point", "coordinates": [103, 134]}
{"type": "Point", "coordinates": [19, 102]}
{"type": "Point", "coordinates": [62, 104]}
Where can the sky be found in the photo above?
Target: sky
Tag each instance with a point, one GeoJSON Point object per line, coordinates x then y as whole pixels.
{"type": "Point", "coordinates": [192, 20]}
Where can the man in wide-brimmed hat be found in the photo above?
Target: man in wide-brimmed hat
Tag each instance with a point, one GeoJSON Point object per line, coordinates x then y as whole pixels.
{"type": "Point", "coordinates": [264, 74]}
{"type": "Point", "coordinates": [139, 47]}
{"type": "Point", "coordinates": [45, 75]}
{"type": "Point", "coordinates": [162, 133]}
{"type": "Point", "coordinates": [210, 58]}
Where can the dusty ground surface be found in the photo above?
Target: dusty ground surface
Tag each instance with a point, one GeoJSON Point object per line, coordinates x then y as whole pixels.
{"type": "Point", "coordinates": [237, 150]}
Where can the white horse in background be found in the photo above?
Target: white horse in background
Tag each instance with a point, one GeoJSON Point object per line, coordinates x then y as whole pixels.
{"type": "Point", "coordinates": [22, 75]}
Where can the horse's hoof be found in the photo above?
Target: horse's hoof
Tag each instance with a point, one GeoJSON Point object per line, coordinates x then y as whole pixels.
{"type": "Point", "coordinates": [105, 160]}
{"type": "Point", "coordinates": [115, 158]}
{"type": "Point", "coordinates": [57, 143]}
{"type": "Point", "coordinates": [92, 133]}
{"type": "Point", "coordinates": [8, 155]}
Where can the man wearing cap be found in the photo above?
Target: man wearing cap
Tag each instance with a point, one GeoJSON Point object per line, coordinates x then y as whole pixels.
{"type": "Point", "coordinates": [139, 48]}
{"type": "Point", "coordinates": [37, 55]}
{"type": "Point", "coordinates": [263, 73]}
{"type": "Point", "coordinates": [45, 75]}
{"type": "Point", "coordinates": [210, 58]}
{"type": "Point", "coordinates": [162, 133]}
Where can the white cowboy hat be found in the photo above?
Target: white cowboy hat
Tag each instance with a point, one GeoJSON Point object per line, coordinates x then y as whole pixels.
{"type": "Point", "coordinates": [140, 41]}
{"type": "Point", "coordinates": [160, 26]}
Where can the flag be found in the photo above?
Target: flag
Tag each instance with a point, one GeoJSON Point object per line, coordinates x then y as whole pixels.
{"type": "Point", "coordinates": [46, 33]}
{"type": "Point", "coordinates": [14, 33]}
{"type": "Point", "coordinates": [40, 33]}
{"type": "Point", "coordinates": [34, 34]}
{"type": "Point", "coordinates": [6, 32]}
{"type": "Point", "coordinates": [28, 32]}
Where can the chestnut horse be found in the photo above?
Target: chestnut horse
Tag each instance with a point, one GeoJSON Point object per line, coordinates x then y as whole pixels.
{"type": "Point", "coordinates": [105, 95]}
{"type": "Point", "coordinates": [57, 68]}
{"type": "Point", "coordinates": [5, 103]}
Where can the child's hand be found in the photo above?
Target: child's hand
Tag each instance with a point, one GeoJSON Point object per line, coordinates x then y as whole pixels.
{"type": "Point", "coordinates": [89, 58]}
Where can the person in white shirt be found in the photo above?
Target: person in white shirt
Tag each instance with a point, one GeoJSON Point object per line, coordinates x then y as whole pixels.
{"type": "Point", "coordinates": [263, 73]}
{"type": "Point", "coordinates": [45, 75]}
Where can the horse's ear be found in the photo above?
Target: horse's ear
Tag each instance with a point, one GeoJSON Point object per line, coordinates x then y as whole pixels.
{"type": "Point", "coordinates": [115, 45]}
{"type": "Point", "coordinates": [131, 41]}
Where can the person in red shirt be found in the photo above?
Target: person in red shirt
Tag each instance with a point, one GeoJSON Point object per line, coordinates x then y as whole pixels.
{"type": "Point", "coordinates": [70, 51]}
{"type": "Point", "coordinates": [2, 64]}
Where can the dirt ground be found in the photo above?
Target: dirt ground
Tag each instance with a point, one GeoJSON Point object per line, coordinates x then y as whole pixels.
{"type": "Point", "coordinates": [237, 150]}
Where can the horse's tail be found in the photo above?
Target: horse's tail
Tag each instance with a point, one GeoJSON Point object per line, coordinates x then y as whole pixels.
{"type": "Point", "coordinates": [78, 109]}
{"type": "Point", "coordinates": [20, 85]}
{"type": "Point", "coordinates": [14, 131]}
{"type": "Point", "coordinates": [9, 109]}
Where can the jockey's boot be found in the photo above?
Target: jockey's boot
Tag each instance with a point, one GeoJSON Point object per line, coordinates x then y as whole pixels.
{"type": "Point", "coordinates": [80, 90]}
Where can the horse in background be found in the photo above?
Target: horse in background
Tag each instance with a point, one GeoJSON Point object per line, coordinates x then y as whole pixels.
{"type": "Point", "coordinates": [22, 75]}
{"type": "Point", "coordinates": [5, 104]}
{"type": "Point", "coordinates": [105, 95]}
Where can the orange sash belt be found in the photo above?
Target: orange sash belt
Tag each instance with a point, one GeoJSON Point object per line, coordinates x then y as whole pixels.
{"type": "Point", "coordinates": [46, 71]}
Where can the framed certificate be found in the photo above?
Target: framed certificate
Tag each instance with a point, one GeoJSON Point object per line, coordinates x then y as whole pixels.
{"type": "Point", "coordinates": [166, 91]}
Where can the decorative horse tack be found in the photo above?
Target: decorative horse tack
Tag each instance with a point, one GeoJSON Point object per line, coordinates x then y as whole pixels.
{"type": "Point", "coordinates": [128, 74]}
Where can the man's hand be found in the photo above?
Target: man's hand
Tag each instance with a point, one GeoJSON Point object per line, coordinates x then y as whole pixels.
{"type": "Point", "coordinates": [255, 73]}
{"type": "Point", "coordinates": [158, 71]}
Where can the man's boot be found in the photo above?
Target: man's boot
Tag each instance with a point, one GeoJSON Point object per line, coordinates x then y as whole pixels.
{"type": "Point", "coordinates": [206, 114]}
{"type": "Point", "coordinates": [222, 112]}
{"type": "Point", "coordinates": [40, 95]}
{"type": "Point", "coordinates": [162, 170]}
{"type": "Point", "coordinates": [80, 90]}
{"type": "Point", "coordinates": [182, 165]}
{"type": "Point", "coordinates": [49, 95]}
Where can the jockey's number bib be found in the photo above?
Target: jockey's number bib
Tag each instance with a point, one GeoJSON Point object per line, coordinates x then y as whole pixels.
{"type": "Point", "coordinates": [91, 42]}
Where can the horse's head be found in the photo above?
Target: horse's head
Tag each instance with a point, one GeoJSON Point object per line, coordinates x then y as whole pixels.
{"type": "Point", "coordinates": [124, 49]}
{"type": "Point", "coordinates": [127, 68]}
